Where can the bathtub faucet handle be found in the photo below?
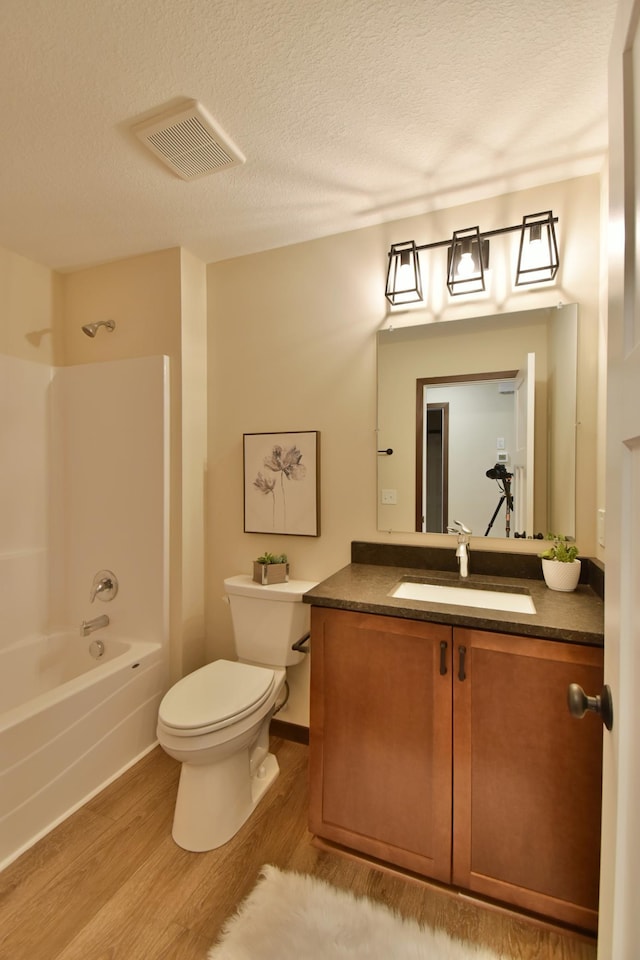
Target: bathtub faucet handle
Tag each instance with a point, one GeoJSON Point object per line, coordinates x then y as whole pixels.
{"type": "Point", "coordinates": [104, 586]}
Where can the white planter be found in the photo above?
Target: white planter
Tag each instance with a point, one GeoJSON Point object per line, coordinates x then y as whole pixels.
{"type": "Point", "coordinates": [561, 576]}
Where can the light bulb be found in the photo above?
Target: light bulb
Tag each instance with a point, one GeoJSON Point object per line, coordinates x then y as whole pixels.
{"type": "Point", "coordinates": [466, 266]}
{"type": "Point", "coordinates": [405, 275]}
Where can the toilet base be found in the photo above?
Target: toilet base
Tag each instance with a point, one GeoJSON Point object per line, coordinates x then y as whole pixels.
{"type": "Point", "coordinates": [215, 800]}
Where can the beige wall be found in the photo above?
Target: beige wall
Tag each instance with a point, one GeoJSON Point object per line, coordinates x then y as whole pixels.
{"type": "Point", "coordinates": [29, 309]}
{"type": "Point", "coordinates": [292, 346]}
{"type": "Point", "coordinates": [194, 458]}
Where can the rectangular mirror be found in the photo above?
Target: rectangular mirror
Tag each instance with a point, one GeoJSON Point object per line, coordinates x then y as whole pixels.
{"type": "Point", "coordinates": [481, 417]}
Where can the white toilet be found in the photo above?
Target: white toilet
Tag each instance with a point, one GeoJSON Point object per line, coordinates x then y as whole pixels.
{"type": "Point", "coordinates": [216, 720]}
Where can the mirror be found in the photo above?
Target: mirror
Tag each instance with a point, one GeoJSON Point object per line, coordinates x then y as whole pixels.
{"type": "Point", "coordinates": [480, 416]}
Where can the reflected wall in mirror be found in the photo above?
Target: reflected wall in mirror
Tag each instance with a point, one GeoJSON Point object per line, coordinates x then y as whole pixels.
{"type": "Point", "coordinates": [469, 404]}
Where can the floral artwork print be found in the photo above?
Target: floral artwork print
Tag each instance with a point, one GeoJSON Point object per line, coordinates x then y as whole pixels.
{"type": "Point", "coordinates": [288, 464]}
{"type": "Point", "coordinates": [281, 491]}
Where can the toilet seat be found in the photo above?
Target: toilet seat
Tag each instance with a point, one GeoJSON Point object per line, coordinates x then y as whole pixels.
{"type": "Point", "coordinates": [214, 697]}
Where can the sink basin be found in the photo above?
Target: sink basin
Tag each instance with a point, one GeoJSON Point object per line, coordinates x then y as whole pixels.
{"type": "Point", "coordinates": [485, 598]}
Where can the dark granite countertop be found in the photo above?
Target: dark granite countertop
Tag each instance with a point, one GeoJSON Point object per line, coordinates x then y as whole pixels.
{"type": "Point", "coordinates": [576, 617]}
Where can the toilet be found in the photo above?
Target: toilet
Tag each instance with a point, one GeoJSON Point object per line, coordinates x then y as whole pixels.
{"type": "Point", "coordinates": [215, 721]}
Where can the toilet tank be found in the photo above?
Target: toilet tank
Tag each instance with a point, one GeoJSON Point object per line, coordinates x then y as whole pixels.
{"type": "Point", "coordinates": [267, 620]}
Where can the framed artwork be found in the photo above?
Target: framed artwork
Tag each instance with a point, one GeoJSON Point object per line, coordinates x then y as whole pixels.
{"type": "Point", "coordinates": [282, 483]}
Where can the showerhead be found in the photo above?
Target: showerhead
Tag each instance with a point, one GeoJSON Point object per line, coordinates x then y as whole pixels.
{"type": "Point", "coordinates": [92, 328]}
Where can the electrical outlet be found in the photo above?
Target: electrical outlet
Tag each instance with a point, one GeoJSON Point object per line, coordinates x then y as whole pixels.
{"type": "Point", "coordinates": [389, 496]}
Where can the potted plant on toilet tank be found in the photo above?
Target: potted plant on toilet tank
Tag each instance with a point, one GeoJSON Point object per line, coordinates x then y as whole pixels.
{"type": "Point", "coordinates": [560, 564]}
{"type": "Point", "coordinates": [271, 568]}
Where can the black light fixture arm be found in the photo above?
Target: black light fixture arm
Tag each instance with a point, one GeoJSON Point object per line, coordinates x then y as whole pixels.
{"type": "Point", "coordinates": [485, 235]}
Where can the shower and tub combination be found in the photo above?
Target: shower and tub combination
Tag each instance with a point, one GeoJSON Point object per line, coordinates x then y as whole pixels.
{"type": "Point", "coordinates": [83, 652]}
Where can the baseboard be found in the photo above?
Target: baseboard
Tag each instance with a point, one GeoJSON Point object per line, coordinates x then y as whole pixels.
{"type": "Point", "coordinates": [289, 731]}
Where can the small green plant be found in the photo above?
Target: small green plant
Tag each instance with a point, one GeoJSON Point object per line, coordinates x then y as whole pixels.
{"type": "Point", "coordinates": [564, 549]}
{"type": "Point", "coordinates": [272, 558]}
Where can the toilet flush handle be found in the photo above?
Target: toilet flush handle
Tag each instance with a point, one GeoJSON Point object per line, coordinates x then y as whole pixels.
{"type": "Point", "coordinates": [299, 645]}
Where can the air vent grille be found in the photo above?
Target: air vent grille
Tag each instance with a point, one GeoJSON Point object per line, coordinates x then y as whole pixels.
{"type": "Point", "coordinates": [189, 141]}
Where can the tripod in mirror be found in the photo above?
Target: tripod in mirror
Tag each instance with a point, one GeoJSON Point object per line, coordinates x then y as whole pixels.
{"type": "Point", "coordinates": [500, 474]}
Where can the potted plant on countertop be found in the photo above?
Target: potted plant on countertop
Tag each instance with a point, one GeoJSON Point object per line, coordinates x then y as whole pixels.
{"type": "Point", "coordinates": [271, 568]}
{"type": "Point", "coordinates": [560, 564]}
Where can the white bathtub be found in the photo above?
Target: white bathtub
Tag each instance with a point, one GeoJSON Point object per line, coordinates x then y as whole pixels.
{"type": "Point", "coordinates": [69, 724]}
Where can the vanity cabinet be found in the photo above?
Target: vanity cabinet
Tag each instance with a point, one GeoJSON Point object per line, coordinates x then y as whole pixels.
{"type": "Point", "coordinates": [451, 752]}
{"type": "Point", "coordinates": [380, 738]}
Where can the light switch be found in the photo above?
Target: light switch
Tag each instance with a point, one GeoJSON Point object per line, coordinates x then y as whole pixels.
{"type": "Point", "coordinates": [389, 496]}
{"type": "Point", "coordinates": [601, 527]}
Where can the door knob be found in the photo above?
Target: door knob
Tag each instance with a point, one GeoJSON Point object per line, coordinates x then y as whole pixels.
{"type": "Point", "coordinates": [580, 703]}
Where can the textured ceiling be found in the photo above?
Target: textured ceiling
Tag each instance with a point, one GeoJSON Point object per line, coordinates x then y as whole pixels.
{"type": "Point", "coordinates": [349, 112]}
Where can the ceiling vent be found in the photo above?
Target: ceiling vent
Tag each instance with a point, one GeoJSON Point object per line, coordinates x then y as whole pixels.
{"type": "Point", "coordinates": [189, 141]}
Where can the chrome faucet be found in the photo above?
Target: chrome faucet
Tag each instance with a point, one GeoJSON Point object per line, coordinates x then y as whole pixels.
{"type": "Point", "coordinates": [88, 626]}
{"type": "Point", "coordinates": [462, 549]}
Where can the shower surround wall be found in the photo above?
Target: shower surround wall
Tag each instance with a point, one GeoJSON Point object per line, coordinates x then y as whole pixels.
{"type": "Point", "coordinates": [109, 488]}
{"type": "Point", "coordinates": [83, 487]}
{"type": "Point", "coordinates": [25, 473]}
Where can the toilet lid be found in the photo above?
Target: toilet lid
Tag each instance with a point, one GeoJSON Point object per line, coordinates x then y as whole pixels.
{"type": "Point", "coordinates": [220, 692]}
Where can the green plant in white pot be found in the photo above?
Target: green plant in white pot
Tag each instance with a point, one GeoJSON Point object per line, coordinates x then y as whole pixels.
{"type": "Point", "coordinates": [560, 564]}
{"type": "Point", "coordinates": [271, 568]}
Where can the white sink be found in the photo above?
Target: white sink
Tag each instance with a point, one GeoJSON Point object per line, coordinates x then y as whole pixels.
{"type": "Point", "coordinates": [485, 599]}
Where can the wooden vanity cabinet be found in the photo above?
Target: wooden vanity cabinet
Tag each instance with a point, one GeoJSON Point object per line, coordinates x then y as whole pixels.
{"type": "Point", "coordinates": [526, 774]}
{"type": "Point", "coordinates": [451, 752]}
{"type": "Point", "coordinates": [380, 738]}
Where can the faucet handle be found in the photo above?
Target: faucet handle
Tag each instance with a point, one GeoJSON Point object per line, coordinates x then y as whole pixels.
{"type": "Point", "coordinates": [460, 529]}
{"type": "Point", "coordinates": [104, 586]}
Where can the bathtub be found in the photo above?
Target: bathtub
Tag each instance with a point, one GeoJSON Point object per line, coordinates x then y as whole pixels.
{"type": "Point", "coordinates": [70, 723]}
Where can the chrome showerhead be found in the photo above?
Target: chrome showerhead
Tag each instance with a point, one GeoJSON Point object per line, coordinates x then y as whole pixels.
{"type": "Point", "coordinates": [92, 328]}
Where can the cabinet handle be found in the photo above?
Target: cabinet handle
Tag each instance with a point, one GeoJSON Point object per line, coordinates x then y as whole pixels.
{"type": "Point", "coordinates": [443, 657]}
{"type": "Point", "coordinates": [461, 674]}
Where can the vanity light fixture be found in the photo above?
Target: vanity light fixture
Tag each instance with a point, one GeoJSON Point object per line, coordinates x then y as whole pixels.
{"type": "Point", "coordinates": [538, 259]}
{"type": "Point", "coordinates": [404, 283]}
{"type": "Point", "coordinates": [468, 259]}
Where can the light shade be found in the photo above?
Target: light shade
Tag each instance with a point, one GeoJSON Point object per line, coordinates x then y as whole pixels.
{"type": "Point", "coordinates": [538, 259]}
{"type": "Point", "coordinates": [404, 283]}
{"type": "Point", "coordinates": [468, 258]}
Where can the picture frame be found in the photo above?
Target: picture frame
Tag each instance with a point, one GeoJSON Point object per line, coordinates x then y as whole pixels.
{"type": "Point", "coordinates": [282, 483]}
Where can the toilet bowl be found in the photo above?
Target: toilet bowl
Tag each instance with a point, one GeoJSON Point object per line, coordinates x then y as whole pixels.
{"type": "Point", "coordinates": [215, 721]}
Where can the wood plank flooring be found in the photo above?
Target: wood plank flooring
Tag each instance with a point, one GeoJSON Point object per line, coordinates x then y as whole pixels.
{"type": "Point", "coordinates": [110, 884]}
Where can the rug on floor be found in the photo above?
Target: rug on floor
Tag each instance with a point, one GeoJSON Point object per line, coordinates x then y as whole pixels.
{"type": "Point", "coordinates": [291, 916]}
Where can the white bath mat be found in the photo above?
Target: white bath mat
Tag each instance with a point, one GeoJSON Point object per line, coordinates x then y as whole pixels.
{"type": "Point", "coordinates": [289, 916]}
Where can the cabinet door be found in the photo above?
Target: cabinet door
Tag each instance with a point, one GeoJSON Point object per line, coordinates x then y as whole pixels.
{"type": "Point", "coordinates": [380, 737]}
{"type": "Point", "coordinates": [527, 775]}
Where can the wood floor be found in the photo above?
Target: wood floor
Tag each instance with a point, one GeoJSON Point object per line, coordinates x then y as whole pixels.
{"type": "Point", "coordinates": [110, 884]}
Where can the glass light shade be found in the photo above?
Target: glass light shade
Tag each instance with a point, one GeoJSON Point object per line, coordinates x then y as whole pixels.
{"type": "Point", "coordinates": [404, 283]}
{"type": "Point", "coordinates": [538, 259]}
{"type": "Point", "coordinates": [468, 258]}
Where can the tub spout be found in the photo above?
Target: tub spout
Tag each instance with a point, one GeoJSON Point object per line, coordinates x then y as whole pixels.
{"type": "Point", "coordinates": [88, 626]}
